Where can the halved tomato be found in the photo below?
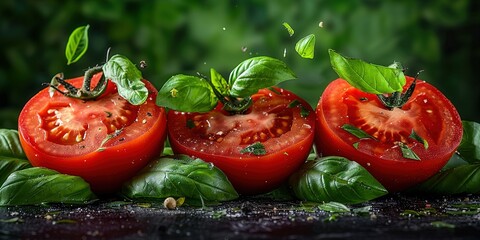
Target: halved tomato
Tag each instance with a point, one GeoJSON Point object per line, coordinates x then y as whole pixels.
{"type": "Point", "coordinates": [428, 114]}
{"type": "Point", "coordinates": [279, 122]}
{"type": "Point", "coordinates": [105, 141]}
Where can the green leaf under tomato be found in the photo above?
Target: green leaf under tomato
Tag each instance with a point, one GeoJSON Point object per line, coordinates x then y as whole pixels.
{"type": "Point", "coordinates": [77, 44]}
{"type": "Point", "coordinates": [257, 73]}
{"type": "Point", "coordinates": [128, 79]}
{"type": "Point", "coordinates": [9, 165]}
{"type": "Point", "coordinates": [34, 186]}
{"type": "Point", "coordinates": [305, 47]}
{"type": "Point", "coordinates": [469, 148]}
{"type": "Point", "coordinates": [10, 144]}
{"type": "Point", "coordinates": [180, 176]}
{"type": "Point", "coordinates": [335, 179]}
{"type": "Point", "coordinates": [367, 77]}
{"type": "Point", "coordinates": [187, 94]}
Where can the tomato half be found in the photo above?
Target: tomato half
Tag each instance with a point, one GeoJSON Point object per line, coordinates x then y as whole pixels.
{"type": "Point", "coordinates": [105, 141]}
{"type": "Point", "coordinates": [428, 113]}
{"type": "Point", "coordinates": [274, 120]}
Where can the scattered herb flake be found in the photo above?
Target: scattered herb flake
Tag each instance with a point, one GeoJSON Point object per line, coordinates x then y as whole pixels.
{"type": "Point", "coordinates": [357, 132]}
{"type": "Point", "coordinates": [417, 137]}
{"type": "Point", "coordinates": [407, 152]}
{"type": "Point", "coordinates": [293, 103]}
{"type": "Point", "coordinates": [334, 207]}
{"type": "Point", "coordinates": [441, 224]}
{"type": "Point", "coordinates": [289, 29]}
{"type": "Point", "coordinates": [255, 149]}
{"type": "Point", "coordinates": [11, 220]}
{"type": "Point", "coordinates": [190, 124]}
{"type": "Point", "coordinates": [355, 145]}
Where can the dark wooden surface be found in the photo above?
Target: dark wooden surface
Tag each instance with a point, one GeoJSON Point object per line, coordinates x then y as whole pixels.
{"type": "Point", "coordinates": [392, 217]}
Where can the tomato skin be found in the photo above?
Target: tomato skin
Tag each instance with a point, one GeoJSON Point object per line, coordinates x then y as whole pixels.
{"type": "Point", "coordinates": [104, 164]}
{"type": "Point", "coordinates": [249, 174]}
{"type": "Point", "coordinates": [428, 112]}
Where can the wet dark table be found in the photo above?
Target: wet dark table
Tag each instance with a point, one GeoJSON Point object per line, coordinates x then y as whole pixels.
{"type": "Point", "coordinates": [391, 217]}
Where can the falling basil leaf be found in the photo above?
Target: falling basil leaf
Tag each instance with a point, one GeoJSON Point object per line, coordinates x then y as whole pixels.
{"type": "Point", "coordinates": [417, 137]}
{"type": "Point", "coordinates": [255, 149]}
{"type": "Point", "coordinates": [77, 44]}
{"type": "Point", "coordinates": [34, 186]}
{"type": "Point", "coordinates": [335, 179]}
{"type": "Point", "coordinates": [367, 77]}
{"type": "Point", "coordinates": [257, 73]}
{"type": "Point", "coordinates": [128, 79]}
{"type": "Point", "coordinates": [305, 47]}
{"type": "Point", "coordinates": [289, 29]}
{"type": "Point", "coordinates": [187, 94]}
{"type": "Point", "coordinates": [180, 176]}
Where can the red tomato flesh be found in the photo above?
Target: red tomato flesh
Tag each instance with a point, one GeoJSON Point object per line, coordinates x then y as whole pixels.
{"type": "Point", "coordinates": [428, 112]}
{"type": "Point", "coordinates": [219, 137]}
{"type": "Point", "coordinates": [105, 141]}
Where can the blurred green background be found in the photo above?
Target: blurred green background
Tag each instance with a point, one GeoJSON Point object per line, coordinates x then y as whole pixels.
{"type": "Point", "coordinates": [440, 37]}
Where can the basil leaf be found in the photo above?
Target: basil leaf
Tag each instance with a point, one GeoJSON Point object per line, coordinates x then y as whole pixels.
{"type": "Point", "coordinates": [289, 29]}
{"type": "Point", "coordinates": [34, 186]}
{"type": "Point", "coordinates": [187, 94]}
{"type": "Point", "coordinates": [367, 77]}
{"type": "Point", "coordinates": [180, 176]}
{"type": "Point", "coordinates": [334, 207]}
{"type": "Point", "coordinates": [10, 144]}
{"type": "Point", "coordinates": [257, 73]}
{"type": "Point", "coordinates": [463, 179]}
{"type": "Point", "coordinates": [256, 149]}
{"type": "Point", "coordinates": [357, 132]}
{"type": "Point", "coordinates": [335, 179]}
{"type": "Point", "coordinates": [128, 79]}
{"type": "Point", "coordinates": [469, 148]}
{"type": "Point", "coordinates": [77, 44]}
{"type": "Point", "coordinates": [414, 135]}
{"type": "Point", "coordinates": [408, 152]}
{"type": "Point", "coordinates": [8, 165]}
{"type": "Point", "coordinates": [219, 82]}
{"type": "Point", "coordinates": [305, 47]}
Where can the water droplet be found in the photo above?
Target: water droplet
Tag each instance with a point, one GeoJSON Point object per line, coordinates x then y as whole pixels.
{"type": "Point", "coordinates": [224, 28]}
{"type": "Point", "coordinates": [244, 49]}
{"type": "Point", "coordinates": [320, 24]}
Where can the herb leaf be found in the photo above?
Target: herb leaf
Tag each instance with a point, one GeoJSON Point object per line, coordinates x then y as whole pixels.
{"type": "Point", "coordinates": [10, 144]}
{"type": "Point", "coordinates": [408, 152]}
{"type": "Point", "coordinates": [367, 77]}
{"type": "Point", "coordinates": [257, 73]}
{"type": "Point", "coordinates": [334, 207]}
{"type": "Point", "coordinates": [289, 28]}
{"type": "Point", "coordinates": [128, 79]}
{"type": "Point", "coordinates": [305, 47]}
{"type": "Point", "coordinates": [357, 132]}
{"type": "Point", "coordinates": [418, 138]}
{"type": "Point", "coordinates": [180, 176]}
{"type": "Point", "coordinates": [77, 44]}
{"type": "Point", "coordinates": [9, 165]}
{"type": "Point", "coordinates": [469, 148]}
{"type": "Point", "coordinates": [335, 179]}
{"type": "Point", "coordinates": [187, 94]}
{"type": "Point", "coordinates": [34, 186]}
{"type": "Point", "coordinates": [219, 82]}
{"type": "Point", "coordinates": [255, 149]}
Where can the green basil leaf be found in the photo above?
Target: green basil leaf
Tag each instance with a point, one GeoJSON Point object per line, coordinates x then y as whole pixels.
{"type": "Point", "coordinates": [180, 176]}
{"type": "Point", "coordinates": [357, 132]}
{"type": "Point", "coordinates": [367, 77]}
{"type": "Point", "coordinates": [463, 179]}
{"type": "Point", "coordinates": [257, 73]}
{"type": "Point", "coordinates": [407, 152]}
{"type": "Point", "coordinates": [8, 165]}
{"type": "Point", "coordinates": [335, 179]}
{"type": "Point", "coordinates": [289, 29]}
{"type": "Point", "coordinates": [414, 135]}
{"type": "Point", "coordinates": [305, 47]}
{"type": "Point", "coordinates": [187, 94]}
{"type": "Point", "coordinates": [10, 144]}
{"type": "Point", "coordinates": [77, 44]}
{"type": "Point", "coordinates": [34, 186]}
{"type": "Point", "coordinates": [469, 148]}
{"type": "Point", "coordinates": [219, 82]}
{"type": "Point", "coordinates": [128, 79]}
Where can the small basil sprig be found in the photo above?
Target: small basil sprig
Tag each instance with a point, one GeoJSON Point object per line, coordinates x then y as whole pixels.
{"type": "Point", "coordinates": [200, 94]}
{"type": "Point", "coordinates": [34, 186]}
{"type": "Point", "coordinates": [335, 179]}
{"type": "Point", "coordinates": [118, 69]}
{"type": "Point", "coordinates": [180, 176]}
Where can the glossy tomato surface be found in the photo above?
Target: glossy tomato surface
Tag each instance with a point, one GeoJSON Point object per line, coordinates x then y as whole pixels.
{"type": "Point", "coordinates": [428, 113]}
{"type": "Point", "coordinates": [281, 121]}
{"type": "Point", "coordinates": [105, 141]}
